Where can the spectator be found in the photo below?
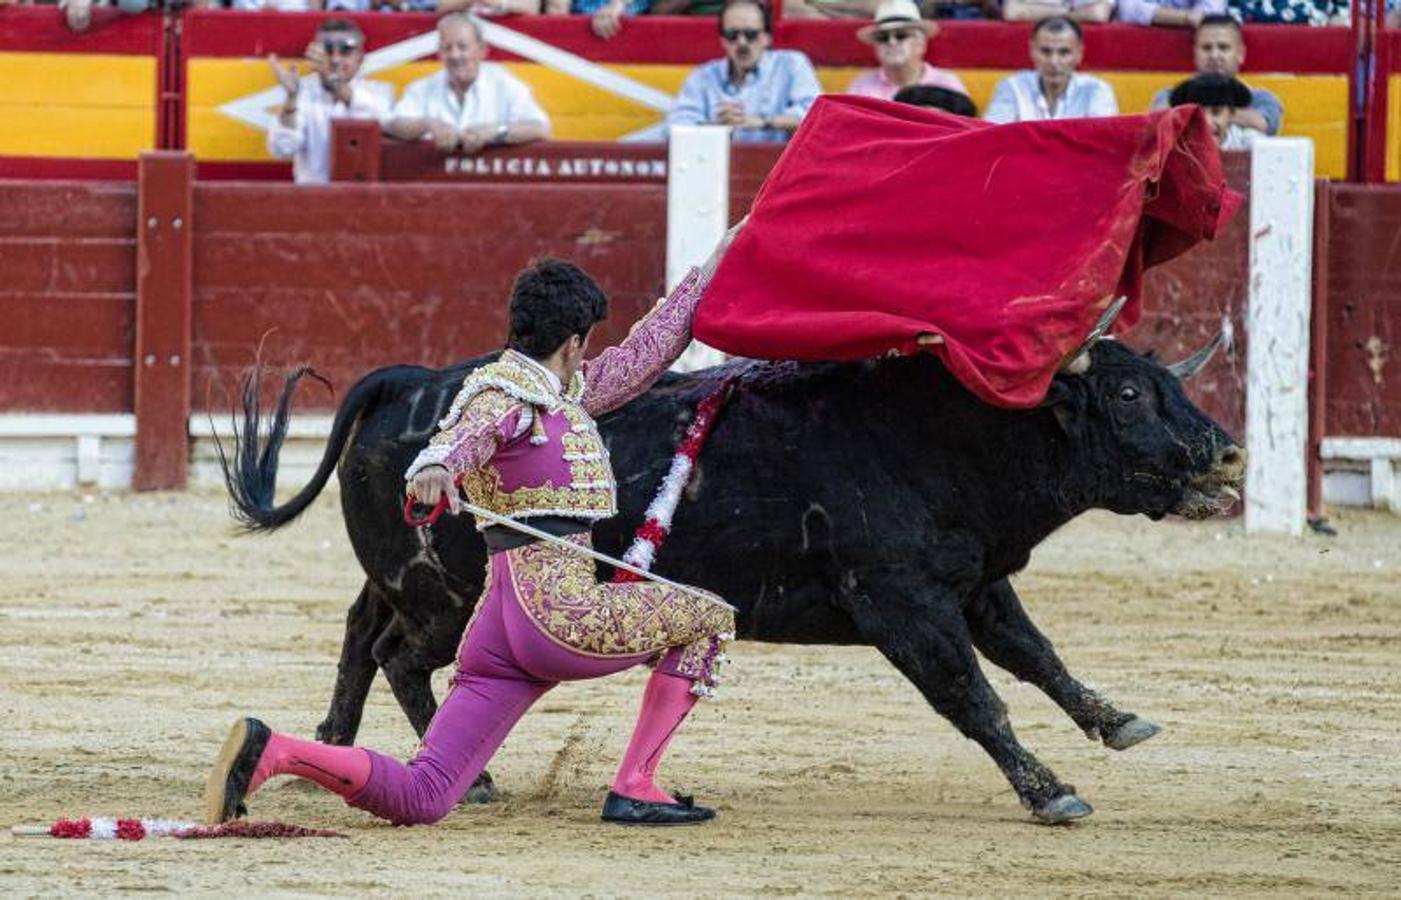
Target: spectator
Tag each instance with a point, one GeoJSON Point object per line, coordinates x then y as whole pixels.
{"type": "Point", "coordinates": [1053, 90]}
{"type": "Point", "coordinates": [605, 16]}
{"type": "Point", "coordinates": [77, 14]}
{"type": "Point", "coordinates": [468, 104]}
{"type": "Point", "coordinates": [901, 40]}
{"type": "Point", "coordinates": [1036, 10]}
{"type": "Point", "coordinates": [1220, 97]}
{"type": "Point", "coordinates": [687, 7]}
{"type": "Point", "coordinates": [302, 132]}
{"type": "Point", "coordinates": [762, 94]}
{"type": "Point", "coordinates": [1220, 50]}
{"type": "Point", "coordinates": [955, 102]}
{"type": "Point", "coordinates": [1179, 13]}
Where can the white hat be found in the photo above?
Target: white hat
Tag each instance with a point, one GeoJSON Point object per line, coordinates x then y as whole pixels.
{"type": "Point", "coordinates": [892, 15]}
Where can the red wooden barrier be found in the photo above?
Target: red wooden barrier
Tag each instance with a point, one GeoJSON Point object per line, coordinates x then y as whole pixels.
{"type": "Point", "coordinates": [1363, 311]}
{"type": "Point", "coordinates": [353, 276]}
{"type": "Point", "coordinates": [67, 250]}
{"type": "Point", "coordinates": [163, 283]}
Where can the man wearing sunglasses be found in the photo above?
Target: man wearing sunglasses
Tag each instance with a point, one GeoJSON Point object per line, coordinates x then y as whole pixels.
{"type": "Point", "coordinates": [762, 94]}
{"type": "Point", "coordinates": [302, 132]}
{"type": "Point", "coordinates": [901, 40]}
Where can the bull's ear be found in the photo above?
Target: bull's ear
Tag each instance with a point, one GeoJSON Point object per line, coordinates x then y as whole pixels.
{"type": "Point", "coordinates": [1067, 404]}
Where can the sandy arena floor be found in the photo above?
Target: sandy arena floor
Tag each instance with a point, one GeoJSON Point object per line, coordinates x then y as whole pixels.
{"type": "Point", "coordinates": [134, 628]}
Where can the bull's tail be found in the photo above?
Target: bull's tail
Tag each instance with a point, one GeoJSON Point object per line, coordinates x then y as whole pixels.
{"type": "Point", "coordinates": [250, 471]}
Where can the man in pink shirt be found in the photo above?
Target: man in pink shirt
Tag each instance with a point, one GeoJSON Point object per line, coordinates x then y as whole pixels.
{"type": "Point", "coordinates": [901, 39]}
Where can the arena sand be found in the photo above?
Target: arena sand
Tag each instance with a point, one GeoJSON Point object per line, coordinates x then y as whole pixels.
{"type": "Point", "coordinates": [134, 628]}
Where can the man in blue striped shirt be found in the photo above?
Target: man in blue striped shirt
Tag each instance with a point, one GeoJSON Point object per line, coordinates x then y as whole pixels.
{"type": "Point", "coordinates": [762, 94]}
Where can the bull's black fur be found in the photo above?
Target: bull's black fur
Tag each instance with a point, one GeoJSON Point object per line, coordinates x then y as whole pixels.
{"type": "Point", "coordinates": [857, 503]}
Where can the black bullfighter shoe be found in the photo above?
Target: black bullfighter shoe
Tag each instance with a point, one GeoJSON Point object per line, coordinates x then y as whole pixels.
{"type": "Point", "coordinates": [233, 770]}
{"type": "Point", "coordinates": [627, 811]}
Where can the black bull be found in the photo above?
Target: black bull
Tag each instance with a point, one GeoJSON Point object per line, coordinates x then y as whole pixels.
{"type": "Point", "coordinates": [873, 503]}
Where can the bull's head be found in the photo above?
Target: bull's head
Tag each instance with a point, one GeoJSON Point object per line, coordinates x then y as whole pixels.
{"type": "Point", "coordinates": [1153, 451]}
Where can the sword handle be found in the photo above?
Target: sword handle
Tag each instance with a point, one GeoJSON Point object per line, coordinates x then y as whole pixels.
{"type": "Point", "coordinates": [430, 520]}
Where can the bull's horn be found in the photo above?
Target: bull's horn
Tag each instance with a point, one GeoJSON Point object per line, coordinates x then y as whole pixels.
{"type": "Point", "coordinates": [1193, 364]}
{"type": "Point", "coordinates": [1078, 362]}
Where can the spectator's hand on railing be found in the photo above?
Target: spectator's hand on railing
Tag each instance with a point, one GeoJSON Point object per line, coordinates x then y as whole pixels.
{"type": "Point", "coordinates": [443, 136]}
{"type": "Point", "coordinates": [735, 115]}
{"type": "Point", "coordinates": [475, 137]}
{"type": "Point", "coordinates": [608, 20]}
{"type": "Point", "coordinates": [77, 13]}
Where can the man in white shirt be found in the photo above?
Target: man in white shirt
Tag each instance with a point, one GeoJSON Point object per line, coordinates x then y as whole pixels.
{"type": "Point", "coordinates": [469, 104]}
{"type": "Point", "coordinates": [302, 132]}
{"type": "Point", "coordinates": [1053, 90]}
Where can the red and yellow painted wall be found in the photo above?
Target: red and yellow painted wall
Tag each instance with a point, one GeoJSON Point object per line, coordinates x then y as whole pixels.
{"type": "Point", "coordinates": [93, 96]}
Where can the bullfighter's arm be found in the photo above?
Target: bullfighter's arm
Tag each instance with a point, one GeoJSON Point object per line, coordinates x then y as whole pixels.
{"type": "Point", "coordinates": [488, 420]}
{"type": "Point", "coordinates": [620, 373]}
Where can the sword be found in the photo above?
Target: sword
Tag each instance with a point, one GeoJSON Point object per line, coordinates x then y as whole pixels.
{"type": "Point", "coordinates": [523, 528]}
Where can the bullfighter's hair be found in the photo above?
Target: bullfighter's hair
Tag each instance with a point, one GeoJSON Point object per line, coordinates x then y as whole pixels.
{"type": "Point", "coordinates": [550, 301]}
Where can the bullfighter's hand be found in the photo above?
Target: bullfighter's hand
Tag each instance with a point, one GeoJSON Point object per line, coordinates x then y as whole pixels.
{"type": "Point", "coordinates": [433, 483]}
{"type": "Point", "coordinates": [718, 254]}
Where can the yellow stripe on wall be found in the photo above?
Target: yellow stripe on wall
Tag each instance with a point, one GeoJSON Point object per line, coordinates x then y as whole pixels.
{"type": "Point", "coordinates": [1393, 128]}
{"type": "Point", "coordinates": [89, 105]}
{"type": "Point", "coordinates": [1315, 105]}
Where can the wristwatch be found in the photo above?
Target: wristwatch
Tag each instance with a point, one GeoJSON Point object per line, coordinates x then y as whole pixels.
{"type": "Point", "coordinates": [501, 131]}
{"type": "Point", "coordinates": [766, 123]}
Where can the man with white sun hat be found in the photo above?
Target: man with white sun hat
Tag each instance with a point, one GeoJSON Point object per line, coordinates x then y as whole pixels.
{"type": "Point", "coordinates": [901, 39]}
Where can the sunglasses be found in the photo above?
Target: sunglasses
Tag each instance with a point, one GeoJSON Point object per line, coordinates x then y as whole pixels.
{"type": "Point", "coordinates": [892, 37]}
{"type": "Point", "coordinates": [345, 47]}
{"type": "Point", "coordinates": [733, 34]}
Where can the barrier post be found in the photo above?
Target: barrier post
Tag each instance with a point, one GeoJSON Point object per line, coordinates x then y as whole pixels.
{"type": "Point", "coordinates": [355, 150]}
{"type": "Point", "coordinates": [1277, 357]}
{"type": "Point", "coordinates": [697, 212]}
{"type": "Point", "coordinates": [163, 292]}
{"type": "Point", "coordinates": [1318, 348]}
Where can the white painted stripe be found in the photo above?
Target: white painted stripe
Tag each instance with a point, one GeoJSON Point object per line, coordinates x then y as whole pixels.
{"type": "Point", "coordinates": [44, 425]}
{"type": "Point", "coordinates": [1277, 358]}
{"type": "Point", "coordinates": [1360, 448]}
{"type": "Point", "coordinates": [302, 427]}
{"type": "Point", "coordinates": [575, 66]}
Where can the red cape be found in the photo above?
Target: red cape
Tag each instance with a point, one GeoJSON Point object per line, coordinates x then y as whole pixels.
{"type": "Point", "coordinates": [882, 221]}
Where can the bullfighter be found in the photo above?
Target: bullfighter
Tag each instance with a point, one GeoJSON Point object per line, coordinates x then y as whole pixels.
{"type": "Point", "coordinates": [520, 440]}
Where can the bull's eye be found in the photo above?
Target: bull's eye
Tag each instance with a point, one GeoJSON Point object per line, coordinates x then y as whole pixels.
{"type": "Point", "coordinates": [1128, 394]}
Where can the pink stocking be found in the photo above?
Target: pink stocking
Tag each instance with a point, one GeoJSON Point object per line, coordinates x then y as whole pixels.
{"type": "Point", "coordinates": [343, 770]}
{"type": "Point", "coordinates": [665, 703]}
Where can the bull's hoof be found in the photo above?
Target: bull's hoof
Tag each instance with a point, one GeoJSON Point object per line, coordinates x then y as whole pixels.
{"type": "Point", "coordinates": [1062, 809]}
{"type": "Point", "coordinates": [1134, 731]}
{"type": "Point", "coordinates": [483, 790]}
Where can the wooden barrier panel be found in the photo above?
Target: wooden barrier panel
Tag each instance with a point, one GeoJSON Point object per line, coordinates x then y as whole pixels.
{"type": "Point", "coordinates": [1364, 311]}
{"type": "Point", "coordinates": [1191, 298]}
{"type": "Point", "coordinates": [349, 277]}
{"type": "Point", "coordinates": [67, 299]}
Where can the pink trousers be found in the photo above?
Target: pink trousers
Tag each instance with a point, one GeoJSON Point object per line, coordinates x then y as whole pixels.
{"type": "Point", "coordinates": [506, 662]}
